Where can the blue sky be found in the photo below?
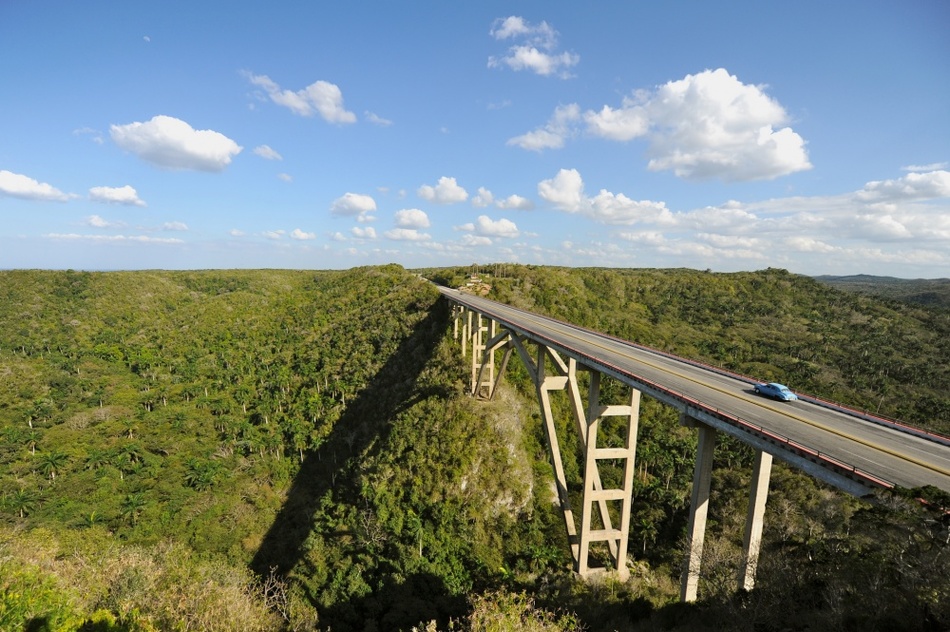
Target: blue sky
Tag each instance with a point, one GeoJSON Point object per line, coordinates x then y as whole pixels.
{"type": "Point", "coordinates": [811, 136]}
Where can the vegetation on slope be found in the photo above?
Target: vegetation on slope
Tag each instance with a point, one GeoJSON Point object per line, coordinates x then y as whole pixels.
{"type": "Point", "coordinates": [929, 292]}
{"type": "Point", "coordinates": [296, 449]}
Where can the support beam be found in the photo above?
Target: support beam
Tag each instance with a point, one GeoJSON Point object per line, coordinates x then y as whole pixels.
{"type": "Point", "coordinates": [758, 493]}
{"type": "Point", "coordinates": [699, 507]}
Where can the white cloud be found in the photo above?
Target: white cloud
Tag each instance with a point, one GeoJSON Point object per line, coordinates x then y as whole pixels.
{"type": "Point", "coordinates": [20, 186]}
{"type": "Point", "coordinates": [630, 121]}
{"type": "Point", "coordinates": [447, 191]}
{"type": "Point", "coordinates": [412, 218]}
{"type": "Point", "coordinates": [707, 125]}
{"type": "Point", "coordinates": [487, 227]}
{"type": "Point", "coordinates": [482, 198]}
{"type": "Point", "coordinates": [116, 195]}
{"type": "Point", "coordinates": [934, 166]}
{"type": "Point", "coordinates": [265, 152]}
{"type": "Point", "coordinates": [321, 97]}
{"type": "Point", "coordinates": [285, 177]}
{"type": "Point", "coordinates": [354, 205]}
{"type": "Point", "coordinates": [301, 235]}
{"type": "Point", "coordinates": [475, 240]}
{"type": "Point", "coordinates": [234, 232]}
{"type": "Point", "coordinates": [98, 222]}
{"type": "Point", "coordinates": [537, 50]}
{"type": "Point", "coordinates": [361, 232]}
{"type": "Point", "coordinates": [171, 143]}
{"type": "Point", "coordinates": [114, 238]}
{"type": "Point", "coordinates": [913, 186]}
{"type": "Point", "coordinates": [515, 202]}
{"type": "Point", "coordinates": [377, 120]}
{"type": "Point", "coordinates": [565, 191]}
{"type": "Point", "coordinates": [95, 134]}
{"type": "Point", "coordinates": [553, 134]}
{"type": "Point", "coordinates": [406, 234]}
{"type": "Point", "coordinates": [274, 234]}
{"type": "Point", "coordinates": [711, 125]}
{"type": "Point", "coordinates": [176, 226]}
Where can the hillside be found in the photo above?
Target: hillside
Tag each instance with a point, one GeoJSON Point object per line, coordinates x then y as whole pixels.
{"type": "Point", "coordinates": [929, 292]}
{"type": "Point", "coordinates": [294, 450]}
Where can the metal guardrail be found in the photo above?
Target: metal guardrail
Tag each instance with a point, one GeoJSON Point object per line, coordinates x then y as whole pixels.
{"type": "Point", "coordinates": [786, 443]}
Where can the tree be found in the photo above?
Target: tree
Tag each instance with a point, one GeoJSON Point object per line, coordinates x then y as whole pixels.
{"type": "Point", "coordinates": [132, 507]}
{"type": "Point", "coordinates": [51, 462]}
{"type": "Point", "coordinates": [22, 501]}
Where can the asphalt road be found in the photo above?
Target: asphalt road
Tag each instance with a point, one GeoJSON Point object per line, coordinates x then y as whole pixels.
{"type": "Point", "coordinates": [895, 456]}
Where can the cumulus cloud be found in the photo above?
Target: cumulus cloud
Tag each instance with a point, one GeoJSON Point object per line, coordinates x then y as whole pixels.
{"type": "Point", "coordinates": [515, 202]}
{"type": "Point", "coordinates": [98, 222]}
{"type": "Point", "coordinates": [704, 126]}
{"type": "Point", "coordinates": [566, 193]}
{"type": "Point", "coordinates": [913, 186]}
{"type": "Point", "coordinates": [361, 232]}
{"type": "Point", "coordinates": [406, 234]}
{"type": "Point", "coordinates": [552, 136]}
{"type": "Point", "coordinates": [24, 187]}
{"type": "Point", "coordinates": [126, 195]}
{"type": "Point", "coordinates": [274, 234]}
{"type": "Point", "coordinates": [475, 240]}
{"type": "Point", "coordinates": [482, 198]}
{"type": "Point", "coordinates": [354, 205]}
{"type": "Point", "coordinates": [709, 125]}
{"type": "Point", "coordinates": [487, 227]}
{"type": "Point", "coordinates": [171, 143]}
{"type": "Point", "coordinates": [412, 218]}
{"type": "Point", "coordinates": [301, 235]}
{"type": "Point", "coordinates": [265, 152]}
{"type": "Point", "coordinates": [447, 191]}
{"type": "Point", "coordinates": [321, 97]}
{"type": "Point", "coordinates": [535, 50]}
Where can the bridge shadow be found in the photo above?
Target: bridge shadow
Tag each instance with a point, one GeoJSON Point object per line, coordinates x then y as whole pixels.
{"type": "Point", "coordinates": [407, 604]}
{"type": "Point", "coordinates": [366, 418]}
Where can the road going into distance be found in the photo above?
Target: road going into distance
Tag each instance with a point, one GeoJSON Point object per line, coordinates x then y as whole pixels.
{"type": "Point", "coordinates": [880, 449]}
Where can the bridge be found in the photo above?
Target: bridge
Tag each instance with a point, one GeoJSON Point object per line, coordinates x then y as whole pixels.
{"type": "Point", "coordinates": [856, 452]}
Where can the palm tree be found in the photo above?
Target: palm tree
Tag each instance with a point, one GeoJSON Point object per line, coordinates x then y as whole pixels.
{"type": "Point", "coordinates": [51, 462]}
{"type": "Point", "coordinates": [132, 506]}
{"type": "Point", "coordinates": [22, 501]}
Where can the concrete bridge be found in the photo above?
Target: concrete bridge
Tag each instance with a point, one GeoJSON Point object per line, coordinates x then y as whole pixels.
{"type": "Point", "coordinates": [853, 451]}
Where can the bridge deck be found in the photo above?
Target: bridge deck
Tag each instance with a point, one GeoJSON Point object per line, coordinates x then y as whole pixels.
{"type": "Point", "coordinates": [826, 440]}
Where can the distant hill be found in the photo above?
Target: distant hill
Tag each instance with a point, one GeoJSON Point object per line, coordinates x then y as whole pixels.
{"type": "Point", "coordinates": [929, 292]}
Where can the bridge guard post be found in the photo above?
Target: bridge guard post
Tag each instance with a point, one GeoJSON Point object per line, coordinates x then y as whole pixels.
{"type": "Point", "coordinates": [699, 507]}
{"type": "Point", "coordinates": [752, 540]}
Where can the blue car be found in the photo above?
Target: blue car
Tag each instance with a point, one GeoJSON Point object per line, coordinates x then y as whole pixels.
{"type": "Point", "coordinates": [776, 391]}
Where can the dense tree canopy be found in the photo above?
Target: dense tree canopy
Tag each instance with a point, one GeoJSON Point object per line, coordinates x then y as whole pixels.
{"type": "Point", "coordinates": [299, 443]}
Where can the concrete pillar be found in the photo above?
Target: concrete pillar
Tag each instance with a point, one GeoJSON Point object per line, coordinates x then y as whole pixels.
{"type": "Point", "coordinates": [758, 494]}
{"type": "Point", "coordinates": [699, 507]}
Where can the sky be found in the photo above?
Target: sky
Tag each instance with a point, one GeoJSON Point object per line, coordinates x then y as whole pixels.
{"type": "Point", "coordinates": [812, 136]}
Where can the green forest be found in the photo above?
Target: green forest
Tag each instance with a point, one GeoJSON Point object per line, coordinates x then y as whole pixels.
{"type": "Point", "coordinates": [296, 450]}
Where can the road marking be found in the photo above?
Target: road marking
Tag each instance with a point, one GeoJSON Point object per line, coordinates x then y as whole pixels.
{"type": "Point", "coordinates": [624, 354]}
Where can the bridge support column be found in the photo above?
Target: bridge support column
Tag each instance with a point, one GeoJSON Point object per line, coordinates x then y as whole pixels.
{"type": "Point", "coordinates": [758, 493]}
{"type": "Point", "coordinates": [593, 487]}
{"type": "Point", "coordinates": [483, 355]}
{"type": "Point", "coordinates": [699, 507]}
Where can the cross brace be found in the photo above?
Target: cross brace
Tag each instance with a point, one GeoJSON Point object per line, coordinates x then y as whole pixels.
{"type": "Point", "coordinates": [550, 373]}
